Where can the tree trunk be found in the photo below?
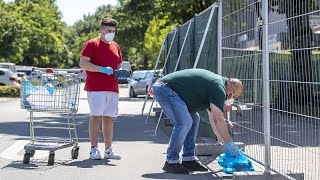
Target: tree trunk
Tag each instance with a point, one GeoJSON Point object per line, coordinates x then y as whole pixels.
{"type": "Point", "coordinates": [145, 62]}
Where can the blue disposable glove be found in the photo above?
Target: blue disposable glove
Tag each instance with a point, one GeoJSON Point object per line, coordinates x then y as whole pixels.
{"type": "Point", "coordinates": [232, 148]}
{"type": "Point", "coordinates": [106, 70]}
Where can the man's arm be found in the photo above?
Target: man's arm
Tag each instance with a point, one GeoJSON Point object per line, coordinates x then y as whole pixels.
{"type": "Point", "coordinates": [220, 128]}
{"type": "Point", "coordinates": [87, 65]}
{"type": "Point", "coordinates": [218, 124]}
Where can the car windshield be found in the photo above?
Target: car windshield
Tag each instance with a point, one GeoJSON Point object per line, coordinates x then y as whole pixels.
{"type": "Point", "coordinates": [10, 67]}
{"type": "Point", "coordinates": [4, 66]}
{"type": "Point", "coordinates": [11, 73]}
{"type": "Point", "coordinates": [149, 75]}
{"type": "Point", "coordinates": [138, 75]}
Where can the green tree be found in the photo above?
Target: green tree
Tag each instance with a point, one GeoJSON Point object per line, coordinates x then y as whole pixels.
{"type": "Point", "coordinates": [142, 17]}
{"type": "Point", "coordinates": [45, 35]}
{"type": "Point", "coordinates": [13, 41]}
{"type": "Point", "coordinates": [157, 31]}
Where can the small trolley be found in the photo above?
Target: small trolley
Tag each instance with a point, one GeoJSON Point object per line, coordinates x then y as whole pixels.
{"type": "Point", "coordinates": [53, 93]}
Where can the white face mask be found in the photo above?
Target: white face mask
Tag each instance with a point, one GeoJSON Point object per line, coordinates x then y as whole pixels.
{"type": "Point", "coordinates": [228, 102]}
{"type": "Point", "coordinates": [109, 37]}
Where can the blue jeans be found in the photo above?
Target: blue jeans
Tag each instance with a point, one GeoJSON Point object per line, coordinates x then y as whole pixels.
{"type": "Point", "coordinates": [185, 124]}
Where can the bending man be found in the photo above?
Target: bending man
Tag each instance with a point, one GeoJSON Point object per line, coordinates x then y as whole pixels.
{"type": "Point", "coordinates": [181, 95]}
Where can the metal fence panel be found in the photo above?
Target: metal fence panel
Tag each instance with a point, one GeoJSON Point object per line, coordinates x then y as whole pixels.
{"type": "Point", "coordinates": [238, 28]}
{"type": "Point", "coordinates": [293, 64]}
{"type": "Point", "coordinates": [294, 80]}
{"type": "Point", "coordinates": [295, 91]}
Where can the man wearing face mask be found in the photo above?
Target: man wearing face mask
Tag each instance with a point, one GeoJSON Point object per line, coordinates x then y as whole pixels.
{"type": "Point", "coordinates": [181, 95]}
{"type": "Point", "coordinates": [99, 57]}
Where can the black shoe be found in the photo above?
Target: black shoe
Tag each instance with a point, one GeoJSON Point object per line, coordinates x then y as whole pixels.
{"type": "Point", "coordinates": [175, 168]}
{"type": "Point", "coordinates": [194, 166]}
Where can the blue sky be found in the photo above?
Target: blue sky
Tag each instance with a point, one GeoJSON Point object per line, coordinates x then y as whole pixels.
{"type": "Point", "coordinates": [73, 10]}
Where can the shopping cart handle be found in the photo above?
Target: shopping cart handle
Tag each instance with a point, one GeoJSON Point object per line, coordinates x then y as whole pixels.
{"type": "Point", "coordinates": [122, 73]}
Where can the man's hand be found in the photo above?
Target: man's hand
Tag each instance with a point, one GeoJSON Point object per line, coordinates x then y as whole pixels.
{"type": "Point", "coordinates": [232, 148]}
{"type": "Point", "coordinates": [106, 70]}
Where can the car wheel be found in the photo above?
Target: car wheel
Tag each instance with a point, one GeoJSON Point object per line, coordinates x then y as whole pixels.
{"type": "Point", "coordinates": [132, 94]}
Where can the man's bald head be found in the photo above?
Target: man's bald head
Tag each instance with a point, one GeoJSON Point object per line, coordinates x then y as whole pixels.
{"type": "Point", "coordinates": [234, 88]}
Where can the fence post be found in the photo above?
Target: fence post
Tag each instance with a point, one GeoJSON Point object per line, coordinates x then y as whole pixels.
{"type": "Point", "coordinates": [266, 88]}
{"type": "Point", "coordinates": [219, 70]}
{"type": "Point", "coordinates": [154, 71]}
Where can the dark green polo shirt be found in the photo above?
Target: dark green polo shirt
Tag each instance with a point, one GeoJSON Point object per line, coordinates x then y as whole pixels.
{"type": "Point", "coordinates": [198, 88]}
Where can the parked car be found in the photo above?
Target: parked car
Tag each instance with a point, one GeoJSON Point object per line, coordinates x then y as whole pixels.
{"type": "Point", "coordinates": [140, 81]}
{"type": "Point", "coordinates": [7, 77]}
{"type": "Point", "coordinates": [124, 65]}
{"type": "Point", "coordinates": [12, 68]}
{"type": "Point", "coordinates": [35, 74]}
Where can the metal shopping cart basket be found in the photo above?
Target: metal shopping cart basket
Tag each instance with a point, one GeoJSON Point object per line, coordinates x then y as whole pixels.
{"type": "Point", "coordinates": [53, 93]}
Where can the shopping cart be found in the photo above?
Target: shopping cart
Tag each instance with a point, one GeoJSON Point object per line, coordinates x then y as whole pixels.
{"type": "Point", "coordinates": [54, 93]}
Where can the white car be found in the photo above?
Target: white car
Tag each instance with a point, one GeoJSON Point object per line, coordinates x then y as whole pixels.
{"type": "Point", "coordinates": [7, 78]}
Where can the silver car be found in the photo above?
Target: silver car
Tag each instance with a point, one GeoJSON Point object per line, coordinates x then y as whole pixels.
{"type": "Point", "coordinates": [139, 82]}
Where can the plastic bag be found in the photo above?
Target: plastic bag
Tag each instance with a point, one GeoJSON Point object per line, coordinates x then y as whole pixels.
{"type": "Point", "coordinates": [232, 164]}
{"type": "Point", "coordinates": [50, 88]}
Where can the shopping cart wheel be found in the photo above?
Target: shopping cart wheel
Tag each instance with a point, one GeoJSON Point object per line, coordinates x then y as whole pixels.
{"type": "Point", "coordinates": [26, 158]}
{"type": "Point", "coordinates": [32, 152]}
{"type": "Point", "coordinates": [75, 152]}
{"type": "Point", "coordinates": [51, 158]}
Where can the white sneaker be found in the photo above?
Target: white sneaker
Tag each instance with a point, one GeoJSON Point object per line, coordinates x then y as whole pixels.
{"type": "Point", "coordinates": [110, 154]}
{"type": "Point", "coordinates": [95, 154]}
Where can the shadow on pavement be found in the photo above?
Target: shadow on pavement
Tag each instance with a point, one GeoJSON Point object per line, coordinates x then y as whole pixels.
{"type": "Point", "coordinates": [164, 175]}
{"type": "Point", "coordinates": [20, 165]}
{"type": "Point", "coordinates": [89, 163]}
{"type": "Point", "coordinates": [126, 128]}
{"type": "Point", "coordinates": [35, 164]}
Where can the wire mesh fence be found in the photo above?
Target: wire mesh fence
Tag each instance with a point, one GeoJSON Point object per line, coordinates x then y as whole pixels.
{"type": "Point", "coordinates": [239, 28]}
{"type": "Point", "coordinates": [273, 46]}
{"type": "Point", "coordinates": [294, 84]}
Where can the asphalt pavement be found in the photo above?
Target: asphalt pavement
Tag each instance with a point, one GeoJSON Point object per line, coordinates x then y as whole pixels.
{"type": "Point", "coordinates": [143, 154]}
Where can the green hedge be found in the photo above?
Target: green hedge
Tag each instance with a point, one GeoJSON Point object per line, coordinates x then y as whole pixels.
{"type": "Point", "coordinates": [9, 91]}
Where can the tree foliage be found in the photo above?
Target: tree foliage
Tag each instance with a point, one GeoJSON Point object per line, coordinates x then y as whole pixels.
{"type": "Point", "coordinates": [32, 33]}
